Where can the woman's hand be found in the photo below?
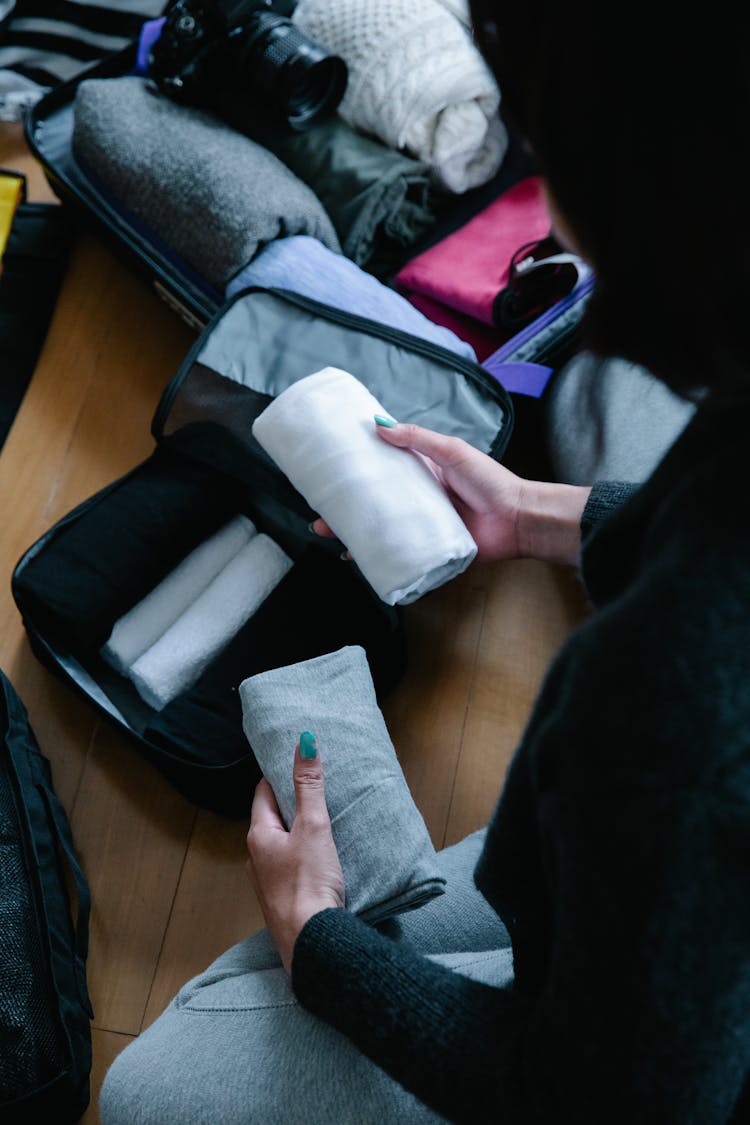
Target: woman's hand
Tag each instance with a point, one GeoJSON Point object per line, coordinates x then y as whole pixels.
{"type": "Point", "coordinates": [508, 517]}
{"type": "Point", "coordinates": [295, 873]}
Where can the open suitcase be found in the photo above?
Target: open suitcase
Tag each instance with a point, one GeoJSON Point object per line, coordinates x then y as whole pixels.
{"type": "Point", "coordinates": [73, 584]}
{"type": "Point", "coordinates": [546, 343]}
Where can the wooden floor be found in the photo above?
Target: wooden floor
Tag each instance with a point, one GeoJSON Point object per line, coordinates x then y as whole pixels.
{"type": "Point", "coordinates": [168, 881]}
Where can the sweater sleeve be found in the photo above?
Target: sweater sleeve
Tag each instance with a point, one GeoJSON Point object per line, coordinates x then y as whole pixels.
{"type": "Point", "coordinates": [634, 824]}
{"type": "Point", "coordinates": [451, 1041]}
{"type": "Point", "coordinates": [647, 994]}
{"type": "Point", "coordinates": [605, 496]}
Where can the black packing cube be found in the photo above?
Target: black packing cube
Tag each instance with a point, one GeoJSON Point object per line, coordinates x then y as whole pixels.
{"type": "Point", "coordinates": [101, 559]}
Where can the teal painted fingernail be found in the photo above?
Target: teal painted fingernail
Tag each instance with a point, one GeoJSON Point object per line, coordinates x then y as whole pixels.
{"type": "Point", "coordinates": [381, 421]}
{"type": "Point", "coordinates": [310, 527]}
{"type": "Point", "coordinates": [307, 747]}
{"type": "Point", "coordinates": [345, 556]}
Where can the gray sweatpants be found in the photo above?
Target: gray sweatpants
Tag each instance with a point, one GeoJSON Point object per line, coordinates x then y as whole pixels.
{"type": "Point", "coordinates": [235, 1048]}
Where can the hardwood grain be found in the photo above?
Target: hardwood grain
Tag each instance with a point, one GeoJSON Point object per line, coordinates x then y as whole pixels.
{"type": "Point", "coordinates": [132, 832]}
{"type": "Point", "coordinates": [213, 909]}
{"type": "Point", "coordinates": [531, 608]}
{"type": "Point", "coordinates": [426, 714]}
{"type": "Point", "coordinates": [106, 1046]}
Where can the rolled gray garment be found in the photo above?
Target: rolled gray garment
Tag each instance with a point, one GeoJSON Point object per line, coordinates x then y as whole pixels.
{"type": "Point", "coordinates": [212, 195]}
{"type": "Point", "coordinates": [387, 856]}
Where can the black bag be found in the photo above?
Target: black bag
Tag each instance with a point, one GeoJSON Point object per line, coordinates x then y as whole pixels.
{"type": "Point", "coordinates": [106, 555]}
{"type": "Point", "coordinates": [45, 1036]}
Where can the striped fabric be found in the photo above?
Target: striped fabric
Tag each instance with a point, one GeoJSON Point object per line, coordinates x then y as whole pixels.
{"type": "Point", "coordinates": [46, 42]}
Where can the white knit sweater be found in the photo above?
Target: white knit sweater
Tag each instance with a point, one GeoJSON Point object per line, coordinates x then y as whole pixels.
{"type": "Point", "coordinates": [416, 81]}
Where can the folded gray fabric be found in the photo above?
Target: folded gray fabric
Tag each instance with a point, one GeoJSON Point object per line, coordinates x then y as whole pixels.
{"type": "Point", "coordinates": [607, 419]}
{"type": "Point", "coordinates": [213, 196]}
{"type": "Point", "coordinates": [386, 854]}
{"type": "Point", "coordinates": [378, 199]}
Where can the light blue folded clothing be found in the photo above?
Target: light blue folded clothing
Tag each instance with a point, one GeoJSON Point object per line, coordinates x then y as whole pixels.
{"type": "Point", "coordinates": [304, 265]}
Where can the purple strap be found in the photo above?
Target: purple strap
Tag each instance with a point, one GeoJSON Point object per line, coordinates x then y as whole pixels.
{"type": "Point", "coordinates": [150, 32]}
{"type": "Point", "coordinates": [519, 378]}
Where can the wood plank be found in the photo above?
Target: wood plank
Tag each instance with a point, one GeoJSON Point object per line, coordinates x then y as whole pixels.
{"type": "Point", "coordinates": [131, 360]}
{"type": "Point", "coordinates": [532, 606]}
{"type": "Point", "coordinates": [131, 829]}
{"type": "Point", "coordinates": [41, 437]}
{"type": "Point", "coordinates": [426, 712]}
{"type": "Point", "coordinates": [110, 350]}
{"type": "Point", "coordinates": [63, 446]}
{"type": "Point", "coordinates": [106, 1046]}
{"type": "Point", "coordinates": [214, 908]}
{"type": "Point", "coordinates": [38, 443]}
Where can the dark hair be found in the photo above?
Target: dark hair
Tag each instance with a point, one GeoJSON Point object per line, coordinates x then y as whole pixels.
{"type": "Point", "coordinates": [639, 123]}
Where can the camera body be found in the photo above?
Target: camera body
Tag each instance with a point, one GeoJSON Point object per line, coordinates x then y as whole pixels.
{"type": "Point", "coordinates": [225, 55]}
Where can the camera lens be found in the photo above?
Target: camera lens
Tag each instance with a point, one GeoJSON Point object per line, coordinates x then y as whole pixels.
{"type": "Point", "coordinates": [308, 83]}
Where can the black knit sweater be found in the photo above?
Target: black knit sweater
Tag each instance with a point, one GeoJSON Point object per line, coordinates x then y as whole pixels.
{"type": "Point", "coordinates": [619, 853]}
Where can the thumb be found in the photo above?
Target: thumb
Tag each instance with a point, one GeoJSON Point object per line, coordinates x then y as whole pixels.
{"type": "Point", "coordinates": [445, 451]}
{"type": "Point", "coordinates": [309, 787]}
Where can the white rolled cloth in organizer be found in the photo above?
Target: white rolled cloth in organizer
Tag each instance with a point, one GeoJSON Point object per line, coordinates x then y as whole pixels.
{"type": "Point", "coordinates": [384, 503]}
{"type": "Point", "coordinates": [175, 661]}
{"type": "Point", "coordinates": [137, 629]}
{"type": "Point", "coordinates": [416, 81]}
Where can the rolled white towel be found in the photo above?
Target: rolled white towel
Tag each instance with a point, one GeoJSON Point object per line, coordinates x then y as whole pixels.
{"type": "Point", "coordinates": [175, 661]}
{"type": "Point", "coordinates": [416, 81]}
{"type": "Point", "coordinates": [384, 503]}
{"type": "Point", "coordinates": [137, 629]}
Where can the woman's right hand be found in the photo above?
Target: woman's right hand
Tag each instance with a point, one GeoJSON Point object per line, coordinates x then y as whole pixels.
{"type": "Point", "coordinates": [508, 517]}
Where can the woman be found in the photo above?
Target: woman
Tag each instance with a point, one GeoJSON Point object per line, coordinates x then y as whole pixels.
{"type": "Point", "coordinates": [619, 852]}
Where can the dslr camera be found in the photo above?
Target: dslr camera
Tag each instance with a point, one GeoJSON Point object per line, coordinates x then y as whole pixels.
{"type": "Point", "coordinates": [247, 61]}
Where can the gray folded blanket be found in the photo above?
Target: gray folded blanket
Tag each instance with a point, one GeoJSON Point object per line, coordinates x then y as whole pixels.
{"type": "Point", "coordinates": [386, 854]}
{"type": "Point", "coordinates": [379, 200]}
{"type": "Point", "coordinates": [213, 196]}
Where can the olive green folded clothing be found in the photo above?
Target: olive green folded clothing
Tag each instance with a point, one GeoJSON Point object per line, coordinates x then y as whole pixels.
{"type": "Point", "coordinates": [387, 856]}
{"type": "Point", "coordinates": [211, 195]}
{"type": "Point", "coordinates": [378, 199]}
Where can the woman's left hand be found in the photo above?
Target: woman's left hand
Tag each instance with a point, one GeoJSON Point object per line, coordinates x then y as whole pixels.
{"type": "Point", "coordinates": [295, 873]}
